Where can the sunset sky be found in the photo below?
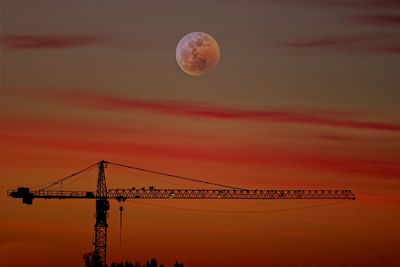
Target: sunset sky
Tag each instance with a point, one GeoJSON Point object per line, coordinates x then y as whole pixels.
{"type": "Point", "coordinates": [306, 95]}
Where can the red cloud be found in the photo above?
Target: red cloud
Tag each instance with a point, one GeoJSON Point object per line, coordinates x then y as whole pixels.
{"type": "Point", "coordinates": [334, 137]}
{"type": "Point", "coordinates": [91, 139]}
{"type": "Point", "coordinates": [324, 42]}
{"type": "Point", "coordinates": [98, 101]}
{"type": "Point", "coordinates": [284, 158]}
{"type": "Point", "coordinates": [381, 20]}
{"type": "Point", "coordinates": [386, 49]}
{"type": "Point", "coordinates": [381, 4]}
{"type": "Point", "coordinates": [370, 3]}
{"type": "Point", "coordinates": [378, 43]}
{"type": "Point", "coordinates": [42, 42]}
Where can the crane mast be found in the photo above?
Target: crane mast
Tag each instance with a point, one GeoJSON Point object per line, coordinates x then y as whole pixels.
{"type": "Point", "coordinates": [102, 196]}
{"type": "Point", "coordinates": [102, 207]}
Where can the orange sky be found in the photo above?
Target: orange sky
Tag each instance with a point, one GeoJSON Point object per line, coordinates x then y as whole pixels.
{"type": "Point", "coordinates": [305, 96]}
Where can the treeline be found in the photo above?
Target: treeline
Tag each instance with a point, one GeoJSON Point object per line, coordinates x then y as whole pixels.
{"type": "Point", "coordinates": [152, 263]}
{"type": "Point", "coordinates": [90, 261]}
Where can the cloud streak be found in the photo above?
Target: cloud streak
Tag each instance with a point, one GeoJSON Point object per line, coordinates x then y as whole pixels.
{"type": "Point", "coordinates": [47, 41]}
{"type": "Point", "coordinates": [283, 158]}
{"type": "Point", "coordinates": [372, 43]}
{"type": "Point", "coordinates": [326, 42]}
{"type": "Point", "coordinates": [382, 20]}
{"type": "Point", "coordinates": [196, 110]}
{"type": "Point", "coordinates": [361, 4]}
{"type": "Point", "coordinates": [91, 139]}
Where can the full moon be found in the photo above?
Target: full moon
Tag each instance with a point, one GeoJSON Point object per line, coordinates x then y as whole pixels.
{"type": "Point", "coordinates": [197, 53]}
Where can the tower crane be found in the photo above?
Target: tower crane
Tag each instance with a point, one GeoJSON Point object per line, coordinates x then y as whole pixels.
{"type": "Point", "coordinates": [102, 196]}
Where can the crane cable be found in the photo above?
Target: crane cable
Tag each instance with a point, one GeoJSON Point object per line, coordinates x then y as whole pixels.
{"type": "Point", "coordinates": [174, 176]}
{"type": "Point", "coordinates": [48, 185]}
{"type": "Point", "coordinates": [83, 174]}
{"type": "Point", "coordinates": [148, 177]}
{"type": "Point", "coordinates": [51, 184]}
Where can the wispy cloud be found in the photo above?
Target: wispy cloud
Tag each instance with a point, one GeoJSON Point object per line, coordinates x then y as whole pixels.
{"type": "Point", "coordinates": [371, 43]}
{"type": "Point", "coordinates": [362, 4]}
{"type": "Point", "coordinates": [91, 139]}
{"type": "Point", "coordinates": [381, 20]}
{"type": "Point", "coordinates": [107, 102]}
{"type": "Point", "coordinates": [387, 4]}
{"type": "Point", "coordinates": [47, 41]}
{"type": "Point", "coordinates": [327, 42]}
{"type": "Point", "coordinates": [283, 158]}
{"type": "Point", "coordinates": [336, 137]}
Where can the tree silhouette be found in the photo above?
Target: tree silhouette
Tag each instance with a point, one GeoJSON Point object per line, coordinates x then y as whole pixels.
{"type": "Point", "coordinates": [89, 259]}
{"type": "Point", "coordinates": [126, 264]}
{"type": "Point", "coordinates": [178, 264]}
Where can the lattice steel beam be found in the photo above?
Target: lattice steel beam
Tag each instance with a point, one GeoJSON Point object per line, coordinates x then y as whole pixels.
{"type": "Point", "coordinates": [147, 193]}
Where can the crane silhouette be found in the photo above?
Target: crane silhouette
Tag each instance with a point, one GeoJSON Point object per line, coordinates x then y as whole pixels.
{"type": "Point", "coordinates": [102, 196]}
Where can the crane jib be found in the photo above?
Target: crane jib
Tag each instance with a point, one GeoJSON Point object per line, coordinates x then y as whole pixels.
{"type": "Point", "coordinates": [151, 193]}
